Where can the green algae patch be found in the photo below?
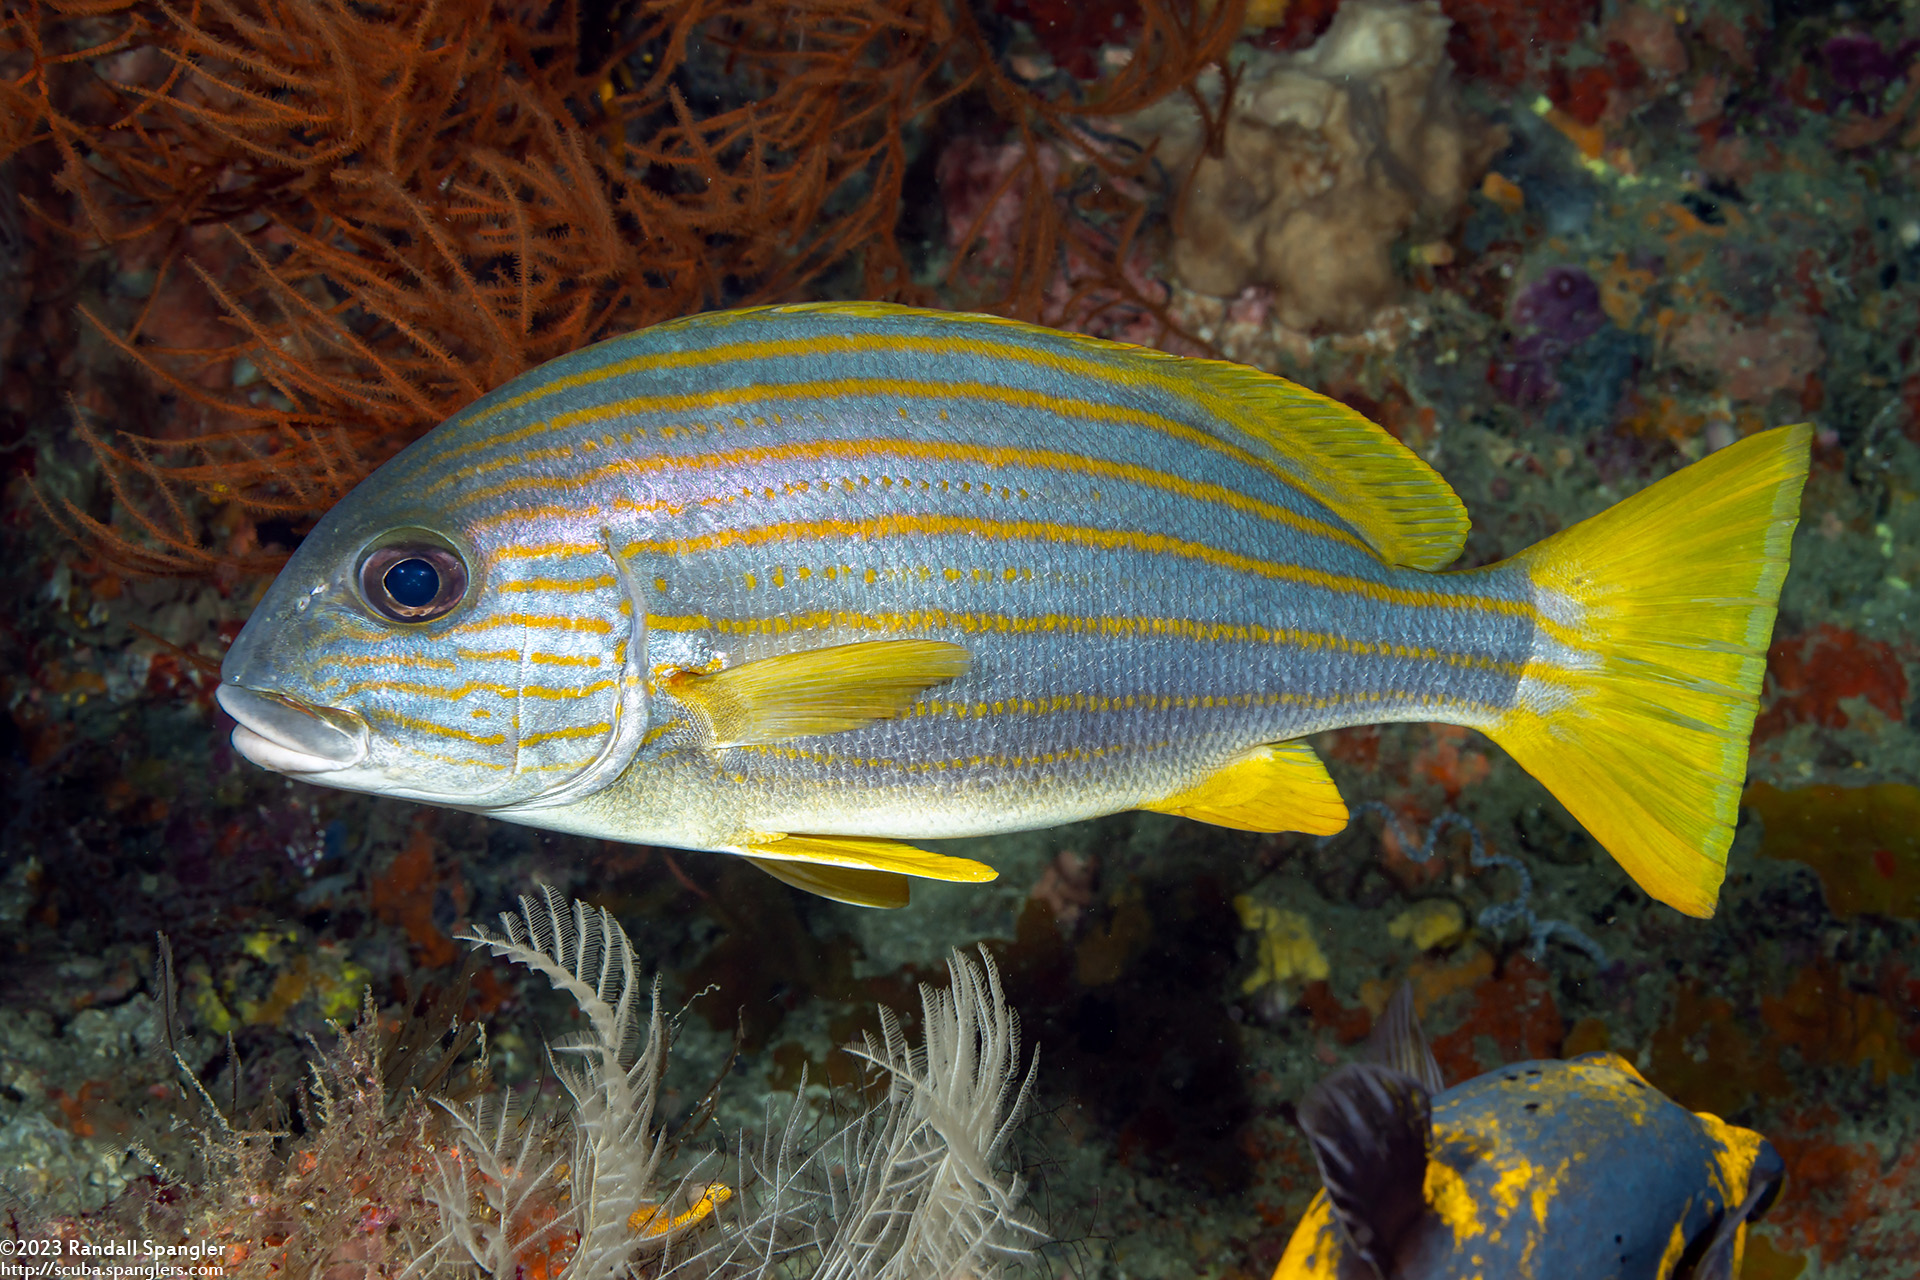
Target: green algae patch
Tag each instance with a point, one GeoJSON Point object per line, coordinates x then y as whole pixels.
{"type": "Point", "coordinates": [1863, 842]}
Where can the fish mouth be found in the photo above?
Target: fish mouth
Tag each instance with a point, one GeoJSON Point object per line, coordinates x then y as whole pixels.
{"type": "Point", "coordinates": [286, 734]}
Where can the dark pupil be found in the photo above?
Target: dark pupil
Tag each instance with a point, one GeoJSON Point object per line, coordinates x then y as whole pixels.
{"type": "Point", "coordinates": [412, 583]}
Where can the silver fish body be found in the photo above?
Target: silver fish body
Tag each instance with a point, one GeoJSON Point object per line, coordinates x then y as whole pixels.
{"type": "Point", "coordinates": [1136, 576]}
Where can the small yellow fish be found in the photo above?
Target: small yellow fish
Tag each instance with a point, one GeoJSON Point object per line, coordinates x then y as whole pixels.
{"type": "Point", "coordinates": [800, 583]}
{"type": "Point", "coordinates": [1573, 1170]}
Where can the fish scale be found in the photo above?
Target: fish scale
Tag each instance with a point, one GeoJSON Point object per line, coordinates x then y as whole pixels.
{"type": "Point", "coordinates": [1057, 577]}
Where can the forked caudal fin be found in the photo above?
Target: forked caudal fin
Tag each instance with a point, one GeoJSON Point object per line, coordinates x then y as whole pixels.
{"type": "Point", "coordinates": [1638, 702]}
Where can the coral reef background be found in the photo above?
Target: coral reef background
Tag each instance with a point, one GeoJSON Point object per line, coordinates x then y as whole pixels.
{"type": "Point", "coordinates": [248, 249]}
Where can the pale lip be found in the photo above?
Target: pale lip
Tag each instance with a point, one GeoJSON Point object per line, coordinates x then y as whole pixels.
{"type": "Point", "coordinates": [288, 735]}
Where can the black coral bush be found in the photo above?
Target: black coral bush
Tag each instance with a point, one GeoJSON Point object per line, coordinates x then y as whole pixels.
{"type": "Point", "coordinates": [363, 215]}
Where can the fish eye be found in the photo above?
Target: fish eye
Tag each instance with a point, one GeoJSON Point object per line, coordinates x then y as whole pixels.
{"type": "Point", "coordinates": [413, 581]}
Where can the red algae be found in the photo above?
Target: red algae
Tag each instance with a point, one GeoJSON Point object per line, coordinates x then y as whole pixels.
{"type": "Point", "coordinates": [1847, 1199]}
{"type": "Point", "coordinates": [404, 896]}
{"type": "Point", "coordinates": [1507, 41]}
{"type": "Point", "coordinates": [1515, 1013]}
{"type": "Point", "coordinates": [1074, 31]}
{"type": "Point", "coordinates": [1349, 1026]}
{"type": "Point", "coordinates": [1451, 761]}
{"type": "Point", "coordinates": [1813, 673]}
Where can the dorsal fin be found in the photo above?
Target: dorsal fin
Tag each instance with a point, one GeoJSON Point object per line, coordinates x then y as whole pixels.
{"type": "Point", "coordinates": [1370, 1127]}
{"type": "Point", "coordinates": [1399, 1043]}
{"type": "Point", "coordinates": [1391, 498]}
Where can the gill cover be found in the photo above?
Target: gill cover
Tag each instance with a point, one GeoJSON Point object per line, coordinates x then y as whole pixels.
{"type": "Point", "coordinates": [628, 719]}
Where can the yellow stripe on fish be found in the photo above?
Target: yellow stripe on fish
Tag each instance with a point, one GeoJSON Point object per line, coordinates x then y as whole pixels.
{"type": "Point", "coordinates": [1049, 532]}
{"type": "Point", "coordinates": [853, 574]}
{"type": "Point", "coordinates": [634, 469]}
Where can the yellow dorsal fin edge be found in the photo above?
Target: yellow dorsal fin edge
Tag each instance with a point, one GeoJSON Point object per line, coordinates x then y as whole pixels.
{"type": "Point", "coordinates": [1365, 477]}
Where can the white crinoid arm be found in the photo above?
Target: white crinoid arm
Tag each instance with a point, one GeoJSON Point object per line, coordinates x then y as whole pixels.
{"type": "Point", "coordinates": [932, 1185]}
{"type": "Point", "coordinates": [584, 952]}
{"type": "Point", "coordinates": [505, 1161]}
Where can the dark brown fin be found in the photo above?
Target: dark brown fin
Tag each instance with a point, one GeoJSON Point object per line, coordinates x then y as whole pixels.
{"type": "Point", "coordinates": [1369, 1126]}
{"type": "Point", "coordinates": [1764, 1180]}
{"type": "Point", "coordinates": [1398, 1042]}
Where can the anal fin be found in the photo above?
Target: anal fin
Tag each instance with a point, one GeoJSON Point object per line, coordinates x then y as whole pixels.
{"type": "Point", "coordinates": [1277, 787]}
{"type": "Point", "coordinates": [830, 690]}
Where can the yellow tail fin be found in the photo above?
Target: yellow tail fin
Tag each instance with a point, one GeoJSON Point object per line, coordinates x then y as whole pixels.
{"type": "Point", "coordinates": [1638, 704]}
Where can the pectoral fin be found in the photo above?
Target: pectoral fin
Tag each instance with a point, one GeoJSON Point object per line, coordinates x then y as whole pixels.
{"type": "Point", "coordinates": [832, 690]}
{"type": "Point", "coordinates": [1278, 787]}
{"type": "Point", "coordinates": [842, 884]}
{"type": "Point", "coordinates": [865, 853]}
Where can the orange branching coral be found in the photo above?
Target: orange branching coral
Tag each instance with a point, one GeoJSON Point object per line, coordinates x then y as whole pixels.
{"type": "Point", "coordinates": [832, 88]}
{"type": "Point", "coordinates": [807, 169]}
{"type": "Point", "coordinates": [411, 215]}
{"type": "Point", "coordinates": [387, 209]}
